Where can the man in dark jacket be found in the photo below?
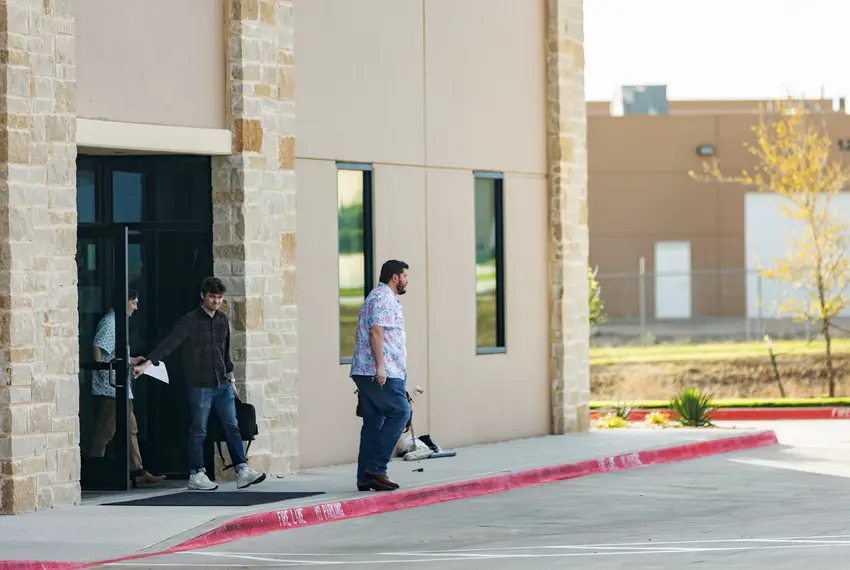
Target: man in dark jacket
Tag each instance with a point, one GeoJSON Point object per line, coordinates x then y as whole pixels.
{"type": "Point", "coordinates": [204, 335]}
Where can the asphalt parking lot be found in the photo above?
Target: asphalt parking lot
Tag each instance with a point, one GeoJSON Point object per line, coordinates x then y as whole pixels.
{"type": "Point", "coordinates": [778, 507]}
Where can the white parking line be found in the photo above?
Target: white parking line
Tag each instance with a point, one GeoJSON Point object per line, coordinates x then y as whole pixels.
{"type": "Point", "coordinates": [258, 558]}
{"type": "Point", "coordinates": [529, 552]}
{"type": "Point", "coordinates": [625, 545]}
{"type": "Point", "coordinates": [654, 544]}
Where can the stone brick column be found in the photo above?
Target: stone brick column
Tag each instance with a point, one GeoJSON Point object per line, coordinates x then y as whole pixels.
{"type": "Point", "coordinates": [39, 387]}
{"type": "Point", "coordinates": [254, 223]}
{"type": "Point", "coordinates": [568, 247]}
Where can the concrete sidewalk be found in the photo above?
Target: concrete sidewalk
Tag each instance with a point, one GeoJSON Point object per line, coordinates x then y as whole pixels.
{"type": "Point", "coordinates": [96, 531]}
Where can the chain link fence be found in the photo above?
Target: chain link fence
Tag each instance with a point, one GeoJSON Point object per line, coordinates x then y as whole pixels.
{"type": "Point", "coordinates": [699, 306]}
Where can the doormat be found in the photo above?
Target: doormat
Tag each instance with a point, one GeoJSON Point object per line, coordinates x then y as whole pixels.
{"type": "Point", "coordinates": [213, 499]}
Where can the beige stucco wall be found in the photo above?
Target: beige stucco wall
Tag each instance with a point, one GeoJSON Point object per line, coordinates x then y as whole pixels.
{"type": "Point", "coordinates": [486, 84]}
{"type": "Point", "coordinates": [159, 61]}
{"type": "Point", "coordinates": [476, 399]}
{"type": "Point", "coordinates": [359, 83]}
{"type": "Point", "coordinates": [451, 95]}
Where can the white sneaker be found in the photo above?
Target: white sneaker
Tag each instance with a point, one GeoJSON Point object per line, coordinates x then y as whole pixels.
{"type": "Point", "coordinates": [249, 477]}
{"type": "Point", "coordinates": [200, 482]}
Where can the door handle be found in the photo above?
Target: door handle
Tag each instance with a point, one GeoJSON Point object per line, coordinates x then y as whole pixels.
{"type": "Point", "coordinates": [113, 383]}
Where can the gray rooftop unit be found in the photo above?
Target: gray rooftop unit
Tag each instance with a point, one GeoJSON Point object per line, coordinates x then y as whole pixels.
{"type": "Point", "coordinates": [640, 100]}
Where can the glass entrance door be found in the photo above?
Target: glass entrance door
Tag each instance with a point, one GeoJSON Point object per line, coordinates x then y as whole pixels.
{"type": "Point", "coordinates": [161, 207]}
{"type": "Point", "coordinates": [103, 273]}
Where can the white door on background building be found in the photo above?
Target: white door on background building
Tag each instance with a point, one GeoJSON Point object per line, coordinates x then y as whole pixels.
{"type": "Point", "coordinates": [672, 280]}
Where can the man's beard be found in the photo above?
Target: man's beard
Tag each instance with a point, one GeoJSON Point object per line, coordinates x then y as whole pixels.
{"type": "Point", "coordinates": [402, 290]}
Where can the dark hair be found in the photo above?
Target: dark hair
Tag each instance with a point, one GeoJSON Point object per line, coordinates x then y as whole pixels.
{"type": "Point", "coordinates": [213, 285]}
{"type": "Point", "coordinates": [118, 298]}
{"type": "Point", "coordinates": [390, 269]}
{"type": "Point", "coordinates": [117, 304]}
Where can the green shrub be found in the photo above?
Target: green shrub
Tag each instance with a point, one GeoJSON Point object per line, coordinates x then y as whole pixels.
{"type": "Point", "coordinates": [693, 407]}
{"type": "Point", "coordinates": [622, 410]}
{"type": "Point", "coordinates": [594, 299]}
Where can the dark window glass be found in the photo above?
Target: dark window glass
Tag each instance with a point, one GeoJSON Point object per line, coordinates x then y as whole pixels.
{"type": "Point", "coordinates": [86, 210]}
{"type": "Point", "coordinates": [127, 188]}
{"type": "Point", "coordinates": [183, 189]}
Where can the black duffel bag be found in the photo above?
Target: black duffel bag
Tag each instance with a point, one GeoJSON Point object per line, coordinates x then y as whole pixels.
{"type": "Point", "coordinates": [246, 417]}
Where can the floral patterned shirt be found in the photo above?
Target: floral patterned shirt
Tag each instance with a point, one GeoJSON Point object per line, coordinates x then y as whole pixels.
{"type": "Point", "coordinates": [104, 338]}
{"type": "Point", "coordinates": [383, 309]}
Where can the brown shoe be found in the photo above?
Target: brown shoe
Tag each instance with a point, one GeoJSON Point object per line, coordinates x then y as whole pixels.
{"type": "Point", "coordinates": [148, 479]}
{"type": "Point", "coordinates": [383, 480]}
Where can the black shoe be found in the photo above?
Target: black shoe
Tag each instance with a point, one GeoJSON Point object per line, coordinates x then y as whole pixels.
{"type": "Point", "coordinates": [426, 439]}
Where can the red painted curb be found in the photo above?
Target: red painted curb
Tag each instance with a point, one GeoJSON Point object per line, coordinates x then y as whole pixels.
{"type": "Point", "coordinates": [752, 414]}
{"type": "Point", "coordinates": [378, 503]}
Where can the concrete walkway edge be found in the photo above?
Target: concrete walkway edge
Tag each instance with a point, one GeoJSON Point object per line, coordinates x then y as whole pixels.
{"type": "Point", "coordinates": [378, 503]}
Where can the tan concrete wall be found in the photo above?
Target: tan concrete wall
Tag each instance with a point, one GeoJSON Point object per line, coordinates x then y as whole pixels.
{"type": "Point", "coordinates": [327, 427]}
{"type": "Point", "coordinates": [640, 193]}
{"type": "Point", "coordinates": [426, 113]}
{"type": "Point", "coordinates": [737, 106]}
{"type": "Point", "coordinates": [486, 84]}
{"type": "Point", "coordinates": [490, 397]}
{"type": "Point", "coordinates": [421, 216]}
{"type": "Point", "coordinates": [709, 107]}
{"type": "Point", "coordinates": [325, 387]}
{"type": "Point", "coordinates": [358, 98]}
{"type": "Point", "coordinates": [158, 61]}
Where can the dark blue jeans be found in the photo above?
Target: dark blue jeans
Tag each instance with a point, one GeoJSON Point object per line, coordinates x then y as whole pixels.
{"type": "Point", "coordinates": [385, 414]}
{"type": "Point", "coordinates": [201, 402]}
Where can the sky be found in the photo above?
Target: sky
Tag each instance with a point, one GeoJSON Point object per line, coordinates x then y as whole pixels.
{"type": "Point", "coordinates": [718, 49]}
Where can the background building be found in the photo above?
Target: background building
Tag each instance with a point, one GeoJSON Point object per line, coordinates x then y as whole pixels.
{"type": "Point", "coordinates": [289, 148]}
{"type": "Point", "coordinates": [702, 243]}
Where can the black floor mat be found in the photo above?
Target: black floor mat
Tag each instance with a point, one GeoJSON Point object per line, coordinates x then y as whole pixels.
{"type": "Point", "coordinates": [212, 499]}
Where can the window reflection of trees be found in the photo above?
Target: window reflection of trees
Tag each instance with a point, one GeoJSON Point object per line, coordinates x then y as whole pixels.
{"type": "Point", "coordinates": [351, 255]}
{"type": "Point", "coordinates": [486, 254]}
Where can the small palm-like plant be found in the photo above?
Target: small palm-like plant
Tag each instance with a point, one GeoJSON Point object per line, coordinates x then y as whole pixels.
{"type": "Point", "coordinates": [622, 410]}
{"type": "Point", "coordinates": [694, 408]}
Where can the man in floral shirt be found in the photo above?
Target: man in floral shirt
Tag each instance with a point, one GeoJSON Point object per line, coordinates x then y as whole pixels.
{"type": "Point", "coordinates": [379, 368]}
{"type": "Point", "coordinates": [103, 393]}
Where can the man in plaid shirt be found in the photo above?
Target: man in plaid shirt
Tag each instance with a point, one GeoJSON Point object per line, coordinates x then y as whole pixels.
{"type": "Point", "coordinates": [204, 335]}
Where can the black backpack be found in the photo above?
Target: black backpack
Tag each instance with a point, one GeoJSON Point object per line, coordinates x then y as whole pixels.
{"type": "Point", "coordinates": [246, 417]}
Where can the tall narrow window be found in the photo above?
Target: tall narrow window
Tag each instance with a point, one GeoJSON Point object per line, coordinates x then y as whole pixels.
{"type": "Point", "coordinates": [489, 263]}
{"type": "Point", "coordinates": [354, 214]}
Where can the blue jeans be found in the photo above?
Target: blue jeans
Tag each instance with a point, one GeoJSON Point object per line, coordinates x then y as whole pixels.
{"type": "Point", "coordinates": [385, 414]}
{"type": "Point", "coordinates": [201, 402]}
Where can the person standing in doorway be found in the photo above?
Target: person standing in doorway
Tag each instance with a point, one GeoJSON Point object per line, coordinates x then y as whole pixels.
{"type": "Point", "coordinates": [379, 369]}
{"type": "Point", "coordinates": [103, 390]}
{"type": "Point", "coordinates": [204, 334]}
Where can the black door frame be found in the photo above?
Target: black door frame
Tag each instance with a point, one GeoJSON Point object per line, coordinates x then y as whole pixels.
{"type": "Point", "coordinates": [150, 232]}
{"type": "Point", "coordinates": [112, 473]}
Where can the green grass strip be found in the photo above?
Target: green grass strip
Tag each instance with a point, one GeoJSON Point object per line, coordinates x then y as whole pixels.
{"type": "Point", "coordinates": [735, 403]}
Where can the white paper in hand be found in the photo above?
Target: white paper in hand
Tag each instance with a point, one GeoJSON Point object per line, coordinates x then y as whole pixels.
{"type": "Point", "coordinates": [157, 371]}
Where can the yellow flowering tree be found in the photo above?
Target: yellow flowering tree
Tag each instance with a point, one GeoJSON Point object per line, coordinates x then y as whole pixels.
{"type": "Point", "coordinates": [795, 160]}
